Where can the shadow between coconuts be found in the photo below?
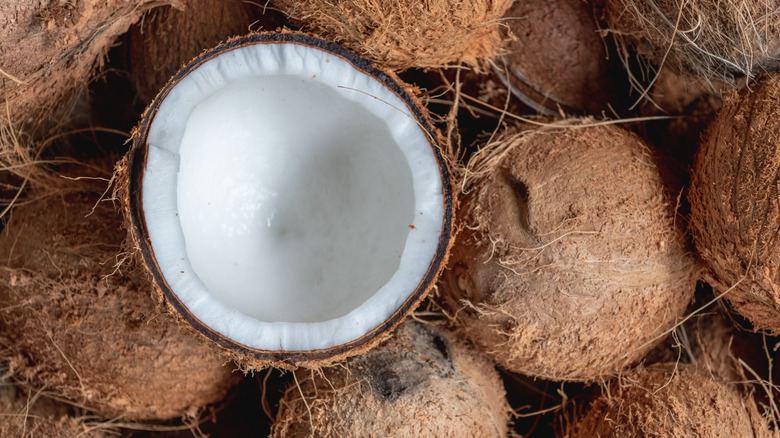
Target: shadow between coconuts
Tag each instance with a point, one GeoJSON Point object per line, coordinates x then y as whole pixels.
{"type": "Point", "coordinates": [249, 357]}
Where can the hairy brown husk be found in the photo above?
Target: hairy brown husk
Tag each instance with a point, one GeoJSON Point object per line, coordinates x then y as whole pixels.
{"type": "Point", "coordinates": [78, 324]}
{"type": "Point", "coordinates": [735, 203]}
{"type": "Point", "coordinates": [670, 400]}
{"type": "Point", "coordinates": [402, 34]}
{"type": "Point", "coordinates": [557, 55]}
{"type": "Point", "coordinates": [706, 38]}
{"type": "Point", "coordinates": [49, 50]}
{"type": "Point", "coordinates": [167, 38]}
{"type": "Point", "coordinates": [422, 382]}
{"type": "Point", "coordinates": [25, 413]}
{"type": "Point", "coordinates": [568, 264]}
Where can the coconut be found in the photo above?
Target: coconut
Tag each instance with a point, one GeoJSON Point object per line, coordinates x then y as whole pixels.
{"type": "Point", "coordinates": [568, 264]}
{"type": "Point", "coordinates": [290, 200]}
{"type": "Point", "coordinates": [735, 209]}
{"type": "Point", "coordinates": [705, 38]}
{"type": "Point", "coordinates": [406, 33]}
{"type": "Point", "coordinates": [49, 49]}
{"type": "Point", "coordinates": [556, 61]}
{"type": "Point", "coordinates": [670, 400]}
{"type": "Point", "coordinates": [167, 38]}
{"type": "Point", "coordinates": [422, 382]}
{"type": "Point", "coordinates": [24, 414]}
{"type": "Point", "coordinates": [78, 327]}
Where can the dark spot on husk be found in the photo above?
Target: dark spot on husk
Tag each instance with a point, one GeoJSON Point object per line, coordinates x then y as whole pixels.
{"type": "Point", "coordinates": [441, 345]}
{"type": "Point", "coordinates": [389, 384]}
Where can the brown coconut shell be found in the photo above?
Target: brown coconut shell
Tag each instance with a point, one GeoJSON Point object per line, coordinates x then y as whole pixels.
{"type": "Point", "coordinates": [556, 60]}
{"type": "Point", "coordinates": [168, 37]}
{"type": "Point", "coordinates": [710, 39]}
{"type": "Point", "coordinates": [422, 382]}
{"type": "Point", "coordinates": [670, 400]}
{"type": "Point", "coordinates": [568, 264]}
{"type": "Point", "coordinates": [130, 175]}
{"type": "Point", "coordinates": [49, 50]}
{"type": "Point", "coordinates": [77, 325]}
{"type": "Point", "coordinates": [735, 203]}
{"type": "Point", "coordinates": [406, 33]}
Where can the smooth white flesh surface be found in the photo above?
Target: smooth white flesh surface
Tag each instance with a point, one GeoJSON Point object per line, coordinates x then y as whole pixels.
{"type": "Point", "coordinates": [295, 203]}
{"type": "Point", "coordinates": [292, 201]}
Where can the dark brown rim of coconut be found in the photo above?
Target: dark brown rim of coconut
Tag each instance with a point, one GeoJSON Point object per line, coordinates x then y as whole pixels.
{"type": "Point", "coordinates": [258, 358]}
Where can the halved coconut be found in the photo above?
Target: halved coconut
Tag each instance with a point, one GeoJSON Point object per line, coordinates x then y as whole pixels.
{"type": "Point", "coordinates": [289, 199]}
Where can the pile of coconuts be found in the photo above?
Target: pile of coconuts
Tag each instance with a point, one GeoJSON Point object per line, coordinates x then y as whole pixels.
{"type": "Point", "coordinates": [614, 261]}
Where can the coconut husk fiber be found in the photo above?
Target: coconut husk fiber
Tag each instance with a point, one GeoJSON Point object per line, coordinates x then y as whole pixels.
{"type": "Point", "coordinates": [78, 322]}
{"type": "Point", "coordinates": [26, 414]}
{"type": "Point", "coordinates": [49, 50]}
{"type": "Point", "coordinates": [710, 39]}
{"type": "Point", "coordinates": [735, 204]}
{"type": "Point", "coordinates": [406, 33]}
{"type": "Point", "coordinates": [568, 265]}
{"type": "Point", "coordinates": [421, 382]}
{"type": "Point", "coordinates": [670, 400]}
{"type": "Point", "coordinates": [556, 58]}
{"type": "Point", "coordinates": [168, 37]}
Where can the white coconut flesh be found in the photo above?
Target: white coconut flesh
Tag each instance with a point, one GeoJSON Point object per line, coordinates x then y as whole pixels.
{"type": "Point", "coordinates": [292, 201]}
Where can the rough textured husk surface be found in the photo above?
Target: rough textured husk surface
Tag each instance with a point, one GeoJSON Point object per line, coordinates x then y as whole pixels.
{"type": "Point", "coordinates": [670, 400]}
{"type": "Point", "coordinates": [23, 415]}
{"type": "Point", "coordinates": [422, 382]}
{"type": "Point", "coordinates": [88, 333]}
{"type": "Point", "coordinates": [406, 33]}
{"type": "Point", "coordinates": [568, 264]}
{"type": "Point", "coordinates": [52, 47]}
{"type": "Point", "coordinates": [713, 39]}
{"type": "Point", "coordinates": [167, 38]}
{"type": "Point", "coordinates": [735, 203]}
{"type": "Point", "coordinates": [557, 52]}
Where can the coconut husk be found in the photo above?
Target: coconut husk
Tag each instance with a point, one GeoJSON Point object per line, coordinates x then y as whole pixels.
{"type": "Point", "coordinates": [168, 37]}
{"type": "Point", "coordinates": [49, 50]}
{"type": "Point", "coordinates": [77, 325]}
{"type": "Point", "coordinates": [670, 400]}
{"type": "Point", "coordinates": [28, 414]}
{"type": "Point", "coordinates": [568, 265]}
{"type": "Point", "coordinates": [422, 382]}
{"type": "Point", "coordinates": [406, 33]}
{"type": "Point", "coordinates": [735, 207]}
{"type": "Point", "coordinates": [556, 58]}
{"type": "Point", "coordinates": [705, 38]}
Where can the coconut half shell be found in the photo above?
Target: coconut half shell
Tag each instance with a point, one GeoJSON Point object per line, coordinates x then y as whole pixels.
{"type": "Point", "coordinates": [568, 264]}
{"type": "Point", "coordinates": [735, 206]}
{"type": "Point", "coordinates": [283, 338]}
{"type": "Point", "coordinates": [421, 382]}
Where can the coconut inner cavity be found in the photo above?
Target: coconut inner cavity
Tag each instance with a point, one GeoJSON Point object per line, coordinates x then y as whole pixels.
{"type": "Point", "coordinates": [295, 206]}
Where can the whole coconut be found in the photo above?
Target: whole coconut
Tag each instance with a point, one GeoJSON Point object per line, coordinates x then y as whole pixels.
{"type": "Point", "coordinates": [401, 34]}
{"type": "Point", "coordinates": [670, 400]}
{"type": "Point", "coordinates": [568, 264]}
{"type": "Point", "coordinates": [556, 60]}
{"type": "Point", "coordinates": [422, 382]}
{"type": "Point", "coordinates": [735, 203]}
{"type": "Point", "coordinates": [76, 325]}
{"type": "Point", "coordinates": [706, 38]}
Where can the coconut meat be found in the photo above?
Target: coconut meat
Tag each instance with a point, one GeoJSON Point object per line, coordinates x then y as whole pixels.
{"type": "Point", "coordinates": [292, 201]}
